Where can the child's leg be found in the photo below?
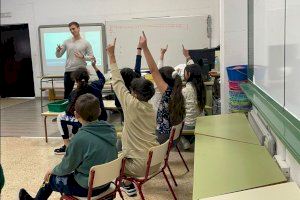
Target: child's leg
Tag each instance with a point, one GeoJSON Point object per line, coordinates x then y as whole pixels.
{"type": "Point", "coordinates": [63, 128]}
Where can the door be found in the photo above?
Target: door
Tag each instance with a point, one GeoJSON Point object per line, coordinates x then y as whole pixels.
{"type": "Point", "coordinates": [16, 64]}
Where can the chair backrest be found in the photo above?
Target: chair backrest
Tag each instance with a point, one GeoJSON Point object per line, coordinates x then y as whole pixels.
{"type": "Point", "coordinates": [178, 130]}
{"type": "Point", "coordinates": [159, 153]}
{"type": "Point", "coordinates": [106, 172]}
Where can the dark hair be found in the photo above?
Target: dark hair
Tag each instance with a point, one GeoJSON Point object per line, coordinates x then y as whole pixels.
{"type": "Point", "coordinates": [128, 75]}
{"type": "Point", "coordinates": [176, 103]}
{"type": "Point", "coordinates": [197, 82]}
{"type": "Point", "coordinates": [81, 77]}
{"type": "Point", "coordinates": [88, 107]}
{"type": "Point", "coordinates": [73, 23]}
{"type": "Point", "coordinates": [143, 88]}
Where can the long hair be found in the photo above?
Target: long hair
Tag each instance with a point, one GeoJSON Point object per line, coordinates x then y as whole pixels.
{"type": "Point", "coordinates": [81, 77]}
{"type": "Point", "coordinates": [197, 82]}
{"type": "Point", "coordinates": [176, 103]}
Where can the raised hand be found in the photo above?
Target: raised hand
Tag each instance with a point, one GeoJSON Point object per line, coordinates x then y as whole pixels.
{"type": "Point", "coordinates": [163, 50]}
{"type": "Point", "coordinates": [185, 52]}
{"type": "Point", "coordinates": [143, 41]}
{"type": "Point", "coordinates": [93, 61]}
{"type": "Point", "coordinates": [59, 47]}
{"type": "Point", "coordinates": [110, 49]}
{"type": "Point", "coordinates": [78, 55]}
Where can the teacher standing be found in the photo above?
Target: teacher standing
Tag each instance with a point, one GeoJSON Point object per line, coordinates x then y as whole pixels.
{"type": "Point", "coordinates": [78, 52]}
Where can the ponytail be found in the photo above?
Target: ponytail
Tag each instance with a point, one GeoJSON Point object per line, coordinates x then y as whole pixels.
{"type": "Point", "coordinates": [177, 103]}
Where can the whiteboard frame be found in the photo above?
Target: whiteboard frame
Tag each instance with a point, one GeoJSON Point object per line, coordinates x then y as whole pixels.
{"type": "Point", "coordinates": [105, 65]}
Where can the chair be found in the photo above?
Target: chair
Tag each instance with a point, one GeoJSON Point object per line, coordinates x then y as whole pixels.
{"type": "Point", "coordinates": [177, 133]}
{"type": "Point", "coordinates": [156, 155]}
{"type": "Point", "coordinates": [100, 175]}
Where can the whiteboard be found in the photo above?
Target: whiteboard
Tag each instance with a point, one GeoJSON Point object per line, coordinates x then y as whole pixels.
{"type": "Point", "coordinates": [292, 68]}
{"type": "Point", "coordinates": [190, 31]}
{"type": "Point", "coordinates": [269, 48]}
{"type": "Point", "coordinates": [52, 35]}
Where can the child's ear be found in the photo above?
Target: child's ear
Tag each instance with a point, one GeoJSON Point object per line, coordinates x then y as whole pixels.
{"type": "Point", "coordinates": [77, 116]}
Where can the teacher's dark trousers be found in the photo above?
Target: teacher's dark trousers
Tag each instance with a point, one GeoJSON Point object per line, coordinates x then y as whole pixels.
{"type": "Point", "coordinates": [68, 84]}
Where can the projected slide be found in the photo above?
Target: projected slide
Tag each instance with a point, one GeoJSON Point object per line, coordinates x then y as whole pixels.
{"type": "Point", "coordinates": [50, 37]}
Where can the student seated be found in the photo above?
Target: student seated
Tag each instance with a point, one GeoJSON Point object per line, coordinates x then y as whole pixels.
{"type": "Point", "coordinates": [195, 98]}
{"type": "Point", "coordinates": [94, 144]}
{"type": "Point", "coordinates": [81, 77]}
{"type": "Point", "coordinates": [138, 134]}
{"type": "Point", "coordinates": [171, 110]}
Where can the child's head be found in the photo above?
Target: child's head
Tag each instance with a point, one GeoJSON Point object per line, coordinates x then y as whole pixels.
{"type": "Point", "coordinates": [81, 77]}
{"type": "Point", "coordinates": [142, 89]}
{"type": "Point", "coordinates": [176, 103]}
{"type": "Point", "coordinates": [87, 108]}
{"type": "Point", "coordinates": [128, 75]}
{"type": "Point", "coordinates": [192, 74]}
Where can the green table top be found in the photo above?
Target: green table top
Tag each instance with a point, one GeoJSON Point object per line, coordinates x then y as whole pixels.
{"type": "Point", "coordinates": [223, 166]}
{"type": "Point", "coordinates": [234, 126]}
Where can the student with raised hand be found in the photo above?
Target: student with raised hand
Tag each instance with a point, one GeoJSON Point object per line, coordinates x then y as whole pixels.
{"type": "Point", "coordinates": [195, 97]}
{"type": "Point", "coordinates": [81, 77]}
{"type": "Point", "coordinates": [94, 144]}
{"type": "Point", "coordinates": [138, 134]}
{"type": "Point", "coordinates": [171, 110]}
{"type": "Point", "coordinates": [158, 94]}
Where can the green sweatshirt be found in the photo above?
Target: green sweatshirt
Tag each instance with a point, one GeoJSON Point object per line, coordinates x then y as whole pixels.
{"type": "Point", "coordinates": [94, 144]}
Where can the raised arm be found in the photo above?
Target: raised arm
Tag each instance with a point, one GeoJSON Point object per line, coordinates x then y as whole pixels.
{"type": "Point", "coordinates": [187, 56]}
{"type": "Point", "coordinates": [161, 84]}
{"type": "Point", "coordinates": [160, 63]}
{"type": "Point", "coordinates": [138, 59]}
{"type": "Point", "coordinates": [60, 50]}
{"type": "Point", "coordinates": [118, 84]}
{"type": "Point", "coordinates": [99, 84]}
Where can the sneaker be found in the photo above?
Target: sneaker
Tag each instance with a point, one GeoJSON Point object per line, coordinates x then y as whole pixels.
{"type": "Point", "coordinates": [54, 120]}
{"type": "Point", "coordinates": [185, 143]}
{"type": "Point", "coordinates": [61, 150]}
{"type": "Point", "coordinates": [23, 195]}
{"type": "Point", "coordinates": [129, 189]}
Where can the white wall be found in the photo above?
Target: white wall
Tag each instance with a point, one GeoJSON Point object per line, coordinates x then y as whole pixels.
{"type": "Point", "coordinates": [234, 42]}
{"type": "Point", "coordinates": [42, 12]}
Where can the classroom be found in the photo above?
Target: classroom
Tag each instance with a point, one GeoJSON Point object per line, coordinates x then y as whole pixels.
{"type": "Point", "coordinates": [124, 99]}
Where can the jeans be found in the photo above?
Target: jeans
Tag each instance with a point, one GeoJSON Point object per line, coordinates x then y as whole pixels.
{"type": "Point", "coordinates": [66, 185]}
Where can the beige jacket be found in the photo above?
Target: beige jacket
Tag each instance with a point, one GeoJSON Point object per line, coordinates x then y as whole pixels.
{"type": "Point", "coordinates": [139, 128]}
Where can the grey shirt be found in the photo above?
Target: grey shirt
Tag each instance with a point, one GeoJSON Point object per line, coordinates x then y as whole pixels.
{"type": "Point", "coordinates": [71, 46]}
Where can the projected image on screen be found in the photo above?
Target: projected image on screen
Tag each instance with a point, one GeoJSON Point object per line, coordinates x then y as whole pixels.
{"type": "Point", "coordinates": [50, 37]}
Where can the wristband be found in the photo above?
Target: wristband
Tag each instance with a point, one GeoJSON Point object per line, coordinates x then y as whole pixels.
{"type": "Point", "coordinates": [139, 48]}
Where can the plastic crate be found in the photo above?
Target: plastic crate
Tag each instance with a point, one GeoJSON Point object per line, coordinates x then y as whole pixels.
{"type": "Point", "coordinates": [58, 106]}
{"type": "Point", "coordinates": [237, 73]}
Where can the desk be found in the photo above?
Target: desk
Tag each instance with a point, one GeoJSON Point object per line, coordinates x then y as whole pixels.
{"type": "Point", "coordinates": [108, 104]}
{"type": "Point", "coordinates": [234, 126]}
{"type": "Point", "coordinates": [286, 191]}
{"type": "Point", "coordinates": [223, 166]}
{"type": "Point", "coordinates": [45, 115]}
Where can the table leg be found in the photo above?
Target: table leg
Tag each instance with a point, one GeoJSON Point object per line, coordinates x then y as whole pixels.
{"type": "Point", "coordinates": [45, 126]}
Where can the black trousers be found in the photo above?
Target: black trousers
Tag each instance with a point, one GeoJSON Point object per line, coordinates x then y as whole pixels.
{"type": "Point", "coordinates": [68, 84]}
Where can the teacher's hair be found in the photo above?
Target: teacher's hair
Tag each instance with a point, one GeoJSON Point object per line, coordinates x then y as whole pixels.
{"type": "Point", "coordinates": [73, 23]}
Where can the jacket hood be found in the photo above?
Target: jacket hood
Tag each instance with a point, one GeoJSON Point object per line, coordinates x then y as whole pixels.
{"type": "Point", "coordinates": [106, 131]}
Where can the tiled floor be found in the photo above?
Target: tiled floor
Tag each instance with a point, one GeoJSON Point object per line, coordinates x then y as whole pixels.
{"type": "Point", "coordinates": [25, 161]}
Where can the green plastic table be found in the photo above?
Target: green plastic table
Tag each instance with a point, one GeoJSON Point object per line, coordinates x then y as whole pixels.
{"type": "Point", "coordinates": [234, 126]}
{"type": "Point", "coordinates": [223, 166]}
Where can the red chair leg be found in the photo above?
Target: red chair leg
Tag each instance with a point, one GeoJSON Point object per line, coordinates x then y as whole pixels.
{"type": "Point", "coordinates": [187, 168]}
{"type": "Point", "coordinates": [140, 191]}
{"type": "Point", "coordinates": [120, 193]}
{"type": "Point", "coordinates": [170, 187]}
{"type": "Point", "coordinates": [172, 175]}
